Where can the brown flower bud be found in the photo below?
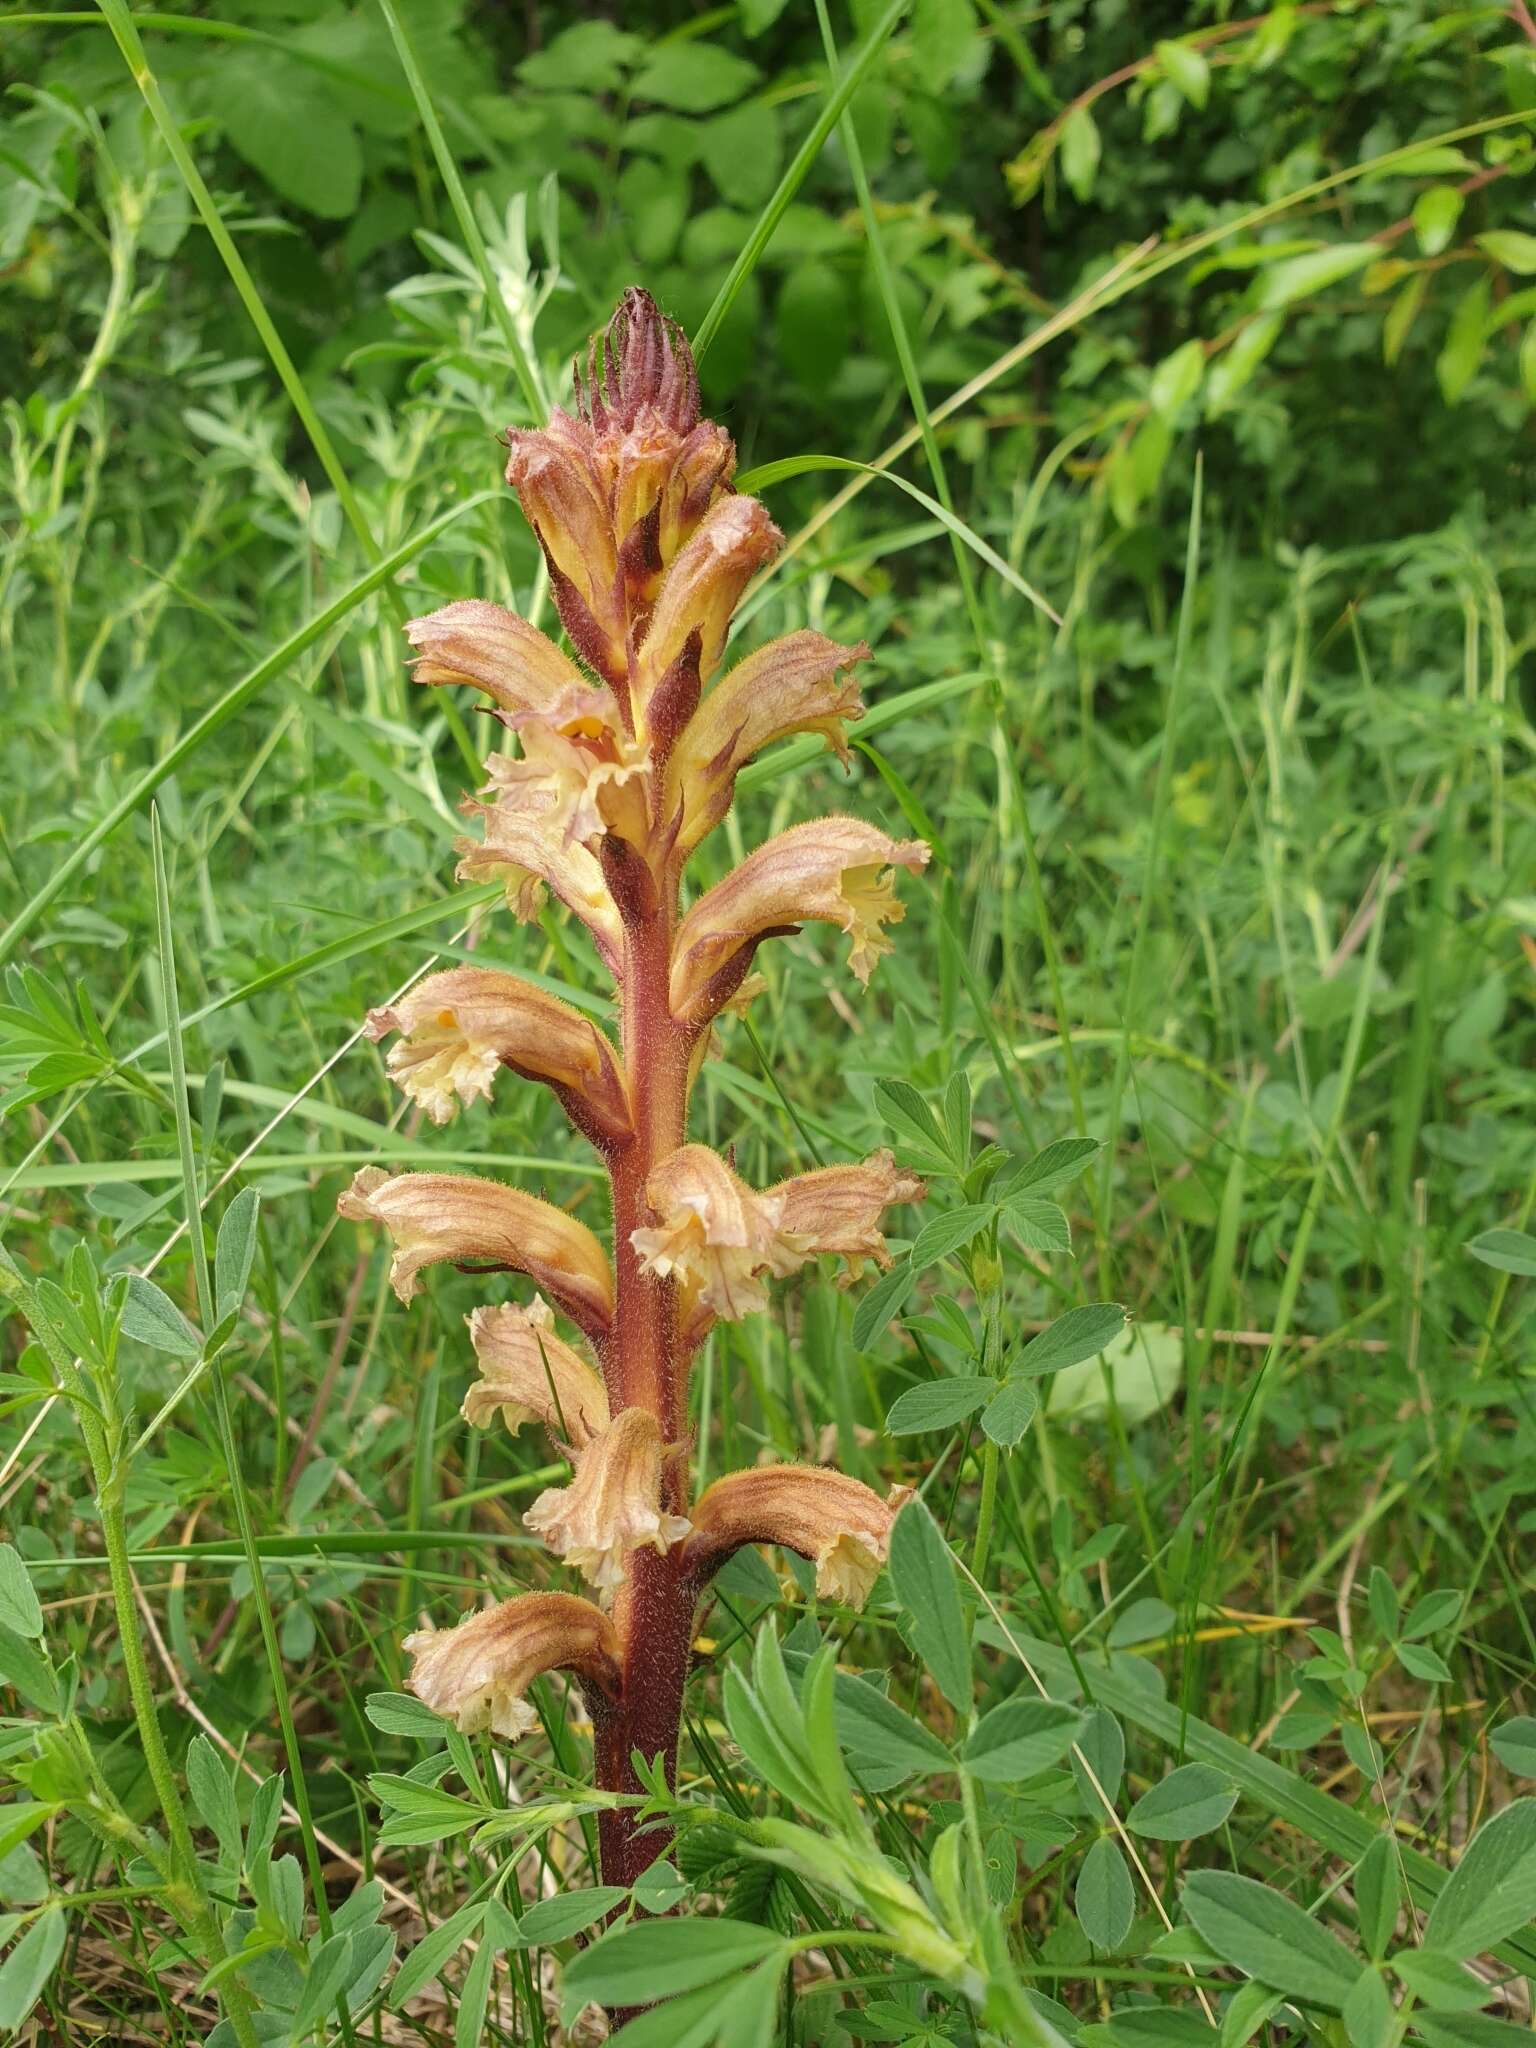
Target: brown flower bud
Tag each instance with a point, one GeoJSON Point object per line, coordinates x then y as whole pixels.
{"type": "Point", "coordinates": [702, 589]}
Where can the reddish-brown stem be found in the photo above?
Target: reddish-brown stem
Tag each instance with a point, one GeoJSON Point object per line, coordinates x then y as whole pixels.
{"type": "Point", "coordinates": [647, 1366]}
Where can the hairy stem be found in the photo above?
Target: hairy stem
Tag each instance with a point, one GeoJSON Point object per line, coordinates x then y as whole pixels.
{"type": "Point", "coordinates": [648, 1367]}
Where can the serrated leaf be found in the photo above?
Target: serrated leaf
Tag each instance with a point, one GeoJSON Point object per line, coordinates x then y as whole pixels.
{"type": "Point", "coordinates": [945, 1234]}
{"type": "Point", "coordinates": [1007, 1417]}
{"type": "Point", "coordinates": [937, 1404]}
{"type": "Point", "coordinates": [1193, 1800]}
{"type": "Point", "coordinates": [693, 77]}
{"type": "Point", "coordinates": [1061, 1161]}
{"type": "Point", "coordinates": [397, 1713]}
{"type": "Point", "coordinates": [1038, 1224]}
{"type": "Point", "coordinates": [1080, 1334]}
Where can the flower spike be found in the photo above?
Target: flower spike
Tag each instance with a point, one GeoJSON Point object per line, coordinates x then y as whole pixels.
{"type": "Point", "coordinates": [612, 1506]}
{"type": "Point", "coordinates": [839, 1523]}
{"type": "Point", "coordinates": [477, 1673]}
{"type": "Point", "coordinates": [528, 1374]}
{"type": "Point", "coordinates": [835, 870]}
{"type": "Point", "coordinates": [460, 1027]}
{"type": "Point", "coordinates": [434, 1217]}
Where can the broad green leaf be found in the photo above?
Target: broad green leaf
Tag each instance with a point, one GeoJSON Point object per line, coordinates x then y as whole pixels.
{"type": "Point", "coordinates": [1145, 1370]}
{"type": "Point", "coordinates": [655, 1959]}
{"type": "Point", "coordinates": [1080, 149]}
{"type": "Point", "coordinates": [938, 1404]}
{"type": "Point", "coordinates": [1492, 1891]}
{"type": "Point", "coordinates": [1507, 1251]}
{"type": "Point", "coordinates": [284, 122]}
{"type": "Point", "coordinates": [693, 77]}
{"type": "Point", "coordinates": [884, 1300]}
{"type": "Point", "coordinates": [1440, 1981]}
{"type": "Point", "coordinates": [426, 1959]}
{"type": "Point", "coordinates": [1186, 68]}
{"type": "Point", "coordinates": [1268, 1936]}
{"type": "Point", "coordinates": [1516, 251]}
{"type": "Point", "coordinates": [1314, 272]}
{"type": "Point", "coordinates": [1006, 1418]}
{"type": "Point", "coordinates": [1514, 1744]}
{"type": "Point", "coordinates": [1369, 2016]}
{"type": "Point", "coordinates": [1378, 1895]}
{"type": "Point", "coordinates": [1191, 1801]}
{"type": "Point", "coordinates": [235, 1250]}
{"type": "Point", "coordinates": [923, 1575]}
{"type": "Point", "coordinates": [1232, 369]}
{"type": "Point", "coordinates": [1174, 383]}
{"type": "Point", "coordinates": [567, 1913]}
{"type": "Point", "coordinates": [1465, 341]}
{"type": "Point", "coordinates": [151, 1317]}
{"type": "Point", "coordinates": [1429, 1615]}
{"type": "Point", "coordinates": [1060, 1162]}
{"type": "Point", "coordinates": [874, 1730]}
{"type": "Point", "coordinates": [946, 1234]}
{"type": "Point", "coordinates": [1039, 1225]}
{"type": "Point", "coordinates": [1435, 214]}
{"type": "Point", "coordinates": [213, 1796]}
{"type": "Point", "coordinates": [19, 1609]}
{"type": "Point", "coordinates": [1105, 1898]}
{"type": "Point", "coordinates": [1080, 1334]}
{"type": "Point", "coordinates": [28, 1967]}
{"type": "Point", "coordinates": [1019, 1739]}
{"type": "Point", "coordinates": [1100, 1748]}
{"type": "Point", "coordinates": [398, 1713]}
{"type": "Point", "coordinates": [29, 1672]}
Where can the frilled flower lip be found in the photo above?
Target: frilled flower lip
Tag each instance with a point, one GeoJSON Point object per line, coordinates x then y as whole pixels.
{"type": "Point", "coordinates": [461, 1220]}
{"type": "Point", "coordinates": [530, 1374]}
{"type": "Point", "coordinates": [722, 1240]}
{"type": "Point", "coordinates": [840, 1524]}
{"type": "Point", "coordinates": [831, 870]}
{"type": "Point", "coordinates": [477, 1673]}
{"type": "Point", "coordinates": [458, 1028]}
{"type": "Point", "coordinates": [527, 856]}
{"type": "Point", "coordinates": [612, 1505]}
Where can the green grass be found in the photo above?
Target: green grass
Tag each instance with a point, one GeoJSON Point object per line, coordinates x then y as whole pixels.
{"type": "Point", "coordinates": [1233, 874]}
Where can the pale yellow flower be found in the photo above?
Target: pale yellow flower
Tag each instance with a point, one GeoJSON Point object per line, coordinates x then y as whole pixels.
{"type": "Point", "coordinates": [529, 1374]}
{"type": "Point", "coordinates": [459, 1027]}
{"type": "Point", "coordinates": [837, 1522]}
{"type": "Point", "coordinates": [832, 870]}
{"type": "Point", "coordinates": [477, 1673]}
{"type": "Point", "coordinates": [526, 854]}
{"type": "Point", "coordinates": [612, 1505]}
{"type": "Point", "coordinates": [433, 1217]}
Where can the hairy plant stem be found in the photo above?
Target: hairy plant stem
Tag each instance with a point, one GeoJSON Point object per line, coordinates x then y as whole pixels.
{"type": "Point", "coordinates": [647, 1367]}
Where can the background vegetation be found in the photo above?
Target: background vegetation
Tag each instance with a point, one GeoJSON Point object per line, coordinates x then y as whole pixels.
{"type": "Point", "coordinates": [1212, 694]}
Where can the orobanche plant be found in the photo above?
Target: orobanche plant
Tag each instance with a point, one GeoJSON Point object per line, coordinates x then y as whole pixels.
{"type": "Point", "coordinates": [623, 766]}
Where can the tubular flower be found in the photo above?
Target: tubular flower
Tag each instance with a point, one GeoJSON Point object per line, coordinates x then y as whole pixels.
{"type": "Point", "coordinates": [838, 1208]}
{"type": "Point", "coordinates": [528, 1374]}
{"type": "Point", "coordinates": [477, 1673]}
{"type": "Point", "coordinates": [519, 668]}
{"type": "Point", "coordinates": [837, 1522]}
{"type": "Point", "coordinates": [434, 1217]}
{"type": "Point", "coordinates": [458, 1028]}
{"type": "Point", "coordinates": [715, 1235]}
{"type": "Point", "coordinates": [835, 870]}
{"type": "Point", "coordinates": [613, 1505]}
{"type": "Point", "coordinates": [520, 851]}
{"type": "Point", "coordinates": [702, 589]}
{"type": "Point", "coordinates": [575, 787]}
{"type": "Point", "coordinates": [799, 683]}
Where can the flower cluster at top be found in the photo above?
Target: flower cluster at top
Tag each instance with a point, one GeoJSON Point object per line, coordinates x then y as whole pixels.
{"type": "Point", "coordinates": [626, 757]}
